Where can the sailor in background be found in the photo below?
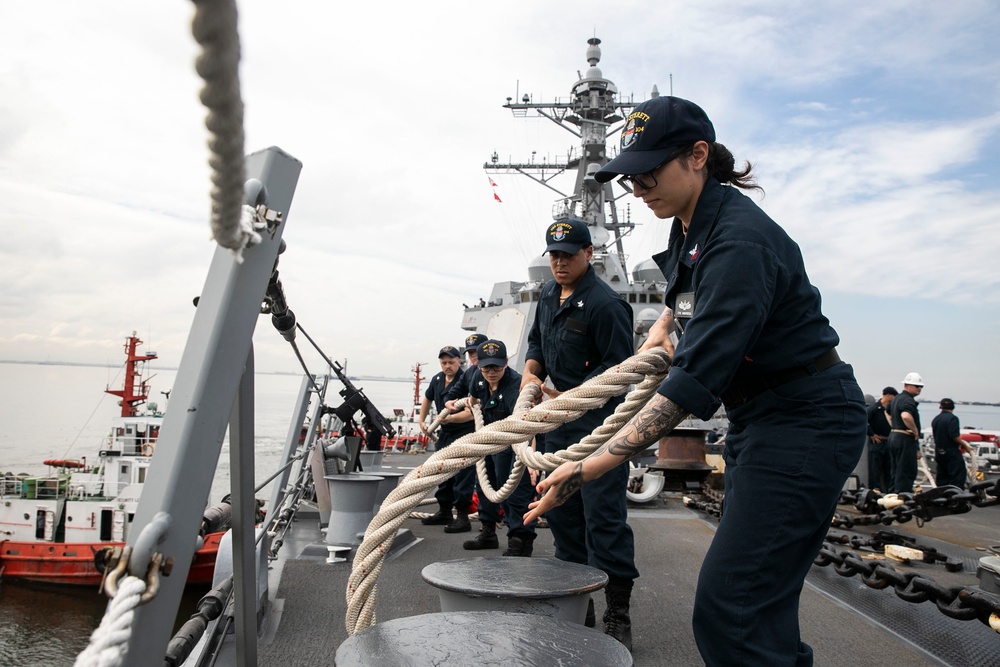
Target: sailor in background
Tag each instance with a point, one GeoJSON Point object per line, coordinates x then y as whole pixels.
{"type": "Point", "coordinates": [488, 511]}
{"type": "Point", "coordinates": [752, 335]}
{"type": "Point", "coordinates": [949, 446]}
{"type": "Point", "coordinates": [455, 491]}
{"type": "Point", "coordinates": [904, 438]}
{"type": "Point", "coordinates": [496, 387]}
{"type": "Point", "coordinates": [879, 459]}
{"type": "Point", "coordinates": [582, 328]}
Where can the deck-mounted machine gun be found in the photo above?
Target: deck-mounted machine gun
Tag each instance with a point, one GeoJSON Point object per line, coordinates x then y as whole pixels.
{"type": "Point", "coordinates": [355, 400]}
{"type": "Point", "coordinates": [283, 320]}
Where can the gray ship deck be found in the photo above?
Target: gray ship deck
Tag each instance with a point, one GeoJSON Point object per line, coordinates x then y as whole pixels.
{"type": "Point", "coordinates": [844, 621]}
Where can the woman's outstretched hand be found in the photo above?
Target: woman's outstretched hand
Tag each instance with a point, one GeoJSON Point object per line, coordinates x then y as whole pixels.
{"type": "Point", "coordinates": [557, 486]}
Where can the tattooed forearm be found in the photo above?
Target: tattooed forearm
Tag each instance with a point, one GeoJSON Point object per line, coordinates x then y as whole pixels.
{"type": "Point", "coordinates": [571, 485]}
{"type": "Point", "coordinates": [654, 421]}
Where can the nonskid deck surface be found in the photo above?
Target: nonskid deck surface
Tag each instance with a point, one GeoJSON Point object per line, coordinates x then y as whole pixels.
{"type": "Point", "coordinates": [844, 621]}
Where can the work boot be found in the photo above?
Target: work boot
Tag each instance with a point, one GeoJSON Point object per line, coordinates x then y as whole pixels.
{"type": "Point", "coordinates": [617, 622]}
{"type": "Point", "coordinates": [440, 518]}
{"type": "Point", "coordinates": [591, 620]}
{"type": "Point", "coordinates": [460, 524]}
{"type": "Point", "coordinates": [486, 539]}
{"type": "Point", "coordinates": [519, 545]}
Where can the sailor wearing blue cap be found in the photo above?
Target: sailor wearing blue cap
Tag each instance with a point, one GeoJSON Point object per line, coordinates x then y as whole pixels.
{"type": "Point", "coordinates": [496, 386]}
{"type": "Point", "coordinates": [752, 335]}
{"type": "Point", "coordinates": [582, 328]}
{"type": "Point", "coordinates": [455, 492]}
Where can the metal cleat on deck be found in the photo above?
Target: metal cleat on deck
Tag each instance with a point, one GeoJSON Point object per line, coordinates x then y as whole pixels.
{"type": "Point", "coordinates": [481, 638]}
{"type": "Point", "coordinates": [540, 586]}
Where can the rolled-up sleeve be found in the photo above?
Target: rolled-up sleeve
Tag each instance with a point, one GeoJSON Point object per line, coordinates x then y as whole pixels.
{"type": "Point", "coordinates": [735, 287]}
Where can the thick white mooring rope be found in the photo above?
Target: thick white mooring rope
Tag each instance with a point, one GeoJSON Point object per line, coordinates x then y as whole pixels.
{"type": "Point", "coordinates": [109, 642]}
{"type": "Point", "coordinates": [646, 369]}
{"type": "Point", "coordinates": [214, 28]}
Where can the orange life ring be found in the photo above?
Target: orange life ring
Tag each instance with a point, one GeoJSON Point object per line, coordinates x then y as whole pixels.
{"type": "Point", "coordinates": [64, 463]}
{"type": "Point", "coordinates": [147, 449]}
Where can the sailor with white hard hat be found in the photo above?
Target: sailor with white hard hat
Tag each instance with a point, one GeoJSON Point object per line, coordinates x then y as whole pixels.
{"type": "Point", "coordinates": [905, 434]}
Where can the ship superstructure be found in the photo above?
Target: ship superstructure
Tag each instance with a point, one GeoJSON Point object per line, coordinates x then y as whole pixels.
{"type": "Point", "coordinates": [593, 112]}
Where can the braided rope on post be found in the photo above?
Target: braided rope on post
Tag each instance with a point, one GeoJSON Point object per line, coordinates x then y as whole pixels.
{"type": "Point", "coordinates": [647, 368]}
{"type": "Point", "coordinates": [214, 28]}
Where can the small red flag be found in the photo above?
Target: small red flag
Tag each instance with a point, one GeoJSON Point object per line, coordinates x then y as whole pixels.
{"type": "Point", "coordinates": [497, 197]}
{"type": "Point", "coordinates": [491, 181]}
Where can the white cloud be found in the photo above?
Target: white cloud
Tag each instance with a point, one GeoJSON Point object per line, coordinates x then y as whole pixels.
{"type": "Point", "coordinates": [871, 130]}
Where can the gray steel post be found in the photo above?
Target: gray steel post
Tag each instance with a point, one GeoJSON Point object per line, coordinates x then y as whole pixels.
{"type": "Point", "coordinates": [241, 480]}
{"type": "Point", "coordinates": [217, 349]}
{"type": "Point", "coordinates": [294, 429]}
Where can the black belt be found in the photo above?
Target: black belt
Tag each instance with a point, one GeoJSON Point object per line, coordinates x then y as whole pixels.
{"type": "Point", "coordinates": [753, 387]}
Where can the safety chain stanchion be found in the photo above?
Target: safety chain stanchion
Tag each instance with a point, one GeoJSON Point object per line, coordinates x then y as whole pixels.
{"type": "Point", "coordinates": [961, 603]}
{"type": "Point", "coordinates": [647, 368]}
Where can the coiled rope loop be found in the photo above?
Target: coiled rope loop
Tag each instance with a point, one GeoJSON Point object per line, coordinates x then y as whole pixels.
{"type": "Point", "coordinates": [647, 369]}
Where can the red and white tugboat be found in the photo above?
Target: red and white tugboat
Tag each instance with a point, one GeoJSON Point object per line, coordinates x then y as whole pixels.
{"type": "Point", "coordinates": [54, 527]}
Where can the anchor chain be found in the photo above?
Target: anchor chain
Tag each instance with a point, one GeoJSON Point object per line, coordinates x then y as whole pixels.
{"type": "Point", "coordinates": [878, 508]}
{"type": "Point", "coordinates": [881, 538]}
{"type": "Point", "coordinates": [958, 602]}
{"type": "Point", "coordinates": [712, 506]}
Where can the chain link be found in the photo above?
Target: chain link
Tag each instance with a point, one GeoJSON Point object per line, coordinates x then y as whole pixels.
{"type": "Point", "coordinates": [884, 509]}
{"type": "Point", "coordinates": [962, 603]}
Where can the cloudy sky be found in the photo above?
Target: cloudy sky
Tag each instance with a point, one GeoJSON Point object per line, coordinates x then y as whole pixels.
{"type": "Point", "coordinates": [875, 129]}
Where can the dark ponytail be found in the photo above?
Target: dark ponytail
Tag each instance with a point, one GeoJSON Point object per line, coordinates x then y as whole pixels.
{"type": "Point", "coordinates": [721, 165]}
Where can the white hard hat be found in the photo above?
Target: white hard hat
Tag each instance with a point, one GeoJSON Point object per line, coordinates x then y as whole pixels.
{"type": "Point", "coordinates": [914, 379]}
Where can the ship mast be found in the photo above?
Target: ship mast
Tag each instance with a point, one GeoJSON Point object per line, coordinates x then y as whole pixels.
{"type": "Point", "coordinates": [416, 388]}
{"type": "Point", "coordinates": [589, 114]}
{"type": "Point", "coordinates": [136, 390]}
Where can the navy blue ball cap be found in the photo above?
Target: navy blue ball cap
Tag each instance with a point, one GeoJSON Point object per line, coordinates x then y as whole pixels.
{"type": "Point", "coordinates": [473, 341]}
{"type": "Point", "coordinates": [491, 353]}
{"type": "Point", "coordinates": [569, 236]}
{"type": "Point", "coordinates": [449, 351]}
{"type": "Point", "coordinates": [653, 131]}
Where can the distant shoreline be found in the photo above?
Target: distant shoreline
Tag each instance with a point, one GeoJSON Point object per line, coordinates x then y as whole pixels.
{"type": "Point", "coordinates": [359, 378]}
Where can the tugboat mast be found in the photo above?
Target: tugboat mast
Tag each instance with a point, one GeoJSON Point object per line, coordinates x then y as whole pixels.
{"type": "Point", "coordinates": [416, 388]}
{"type": "Point", "coordinates": [136, 389]}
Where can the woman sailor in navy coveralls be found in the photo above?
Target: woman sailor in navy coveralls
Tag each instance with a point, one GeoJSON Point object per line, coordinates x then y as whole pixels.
{"type": "Point", "coordinates": [752, 336]}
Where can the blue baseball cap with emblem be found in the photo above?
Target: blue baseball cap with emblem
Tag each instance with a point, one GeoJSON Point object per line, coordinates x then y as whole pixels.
{"type": "Point", "coordinates": [449, 351]}
{"type": "Point", "coordinates": [492, 353]}
{"type": "Point", "coordinates": [473, 341]}
{"type": "Point", "coordinates": [569, 236]}
{"type": "Point", "coordinates": [653, 132]}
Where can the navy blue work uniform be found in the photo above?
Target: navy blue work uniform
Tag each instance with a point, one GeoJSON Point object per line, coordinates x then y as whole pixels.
{"type": "Point", "coordinates": [590, 333]}
{"type": "Point", "coordinates": [950, 462]}
{"type": "Point", "coordinates": [751, 332]}
{"type": "Point", "coordinates": [496, 406]}
{"type": "Point", "coordinates": [455, 491]}
{"type": "Point", "coordinates": [462, 387]}
{"type": "Point", "coordinates": [902, 444]}
{"type": "Point", "coordinates": [879, 459]}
